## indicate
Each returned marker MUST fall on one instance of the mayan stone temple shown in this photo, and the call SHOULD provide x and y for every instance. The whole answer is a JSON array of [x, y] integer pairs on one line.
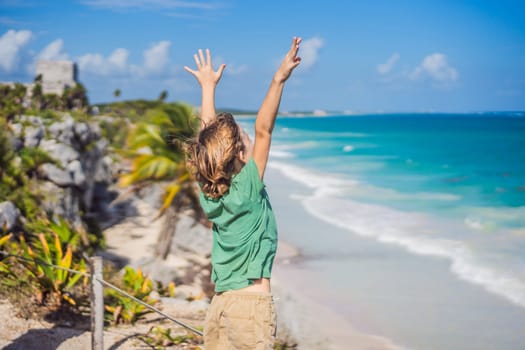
[[56, 75]]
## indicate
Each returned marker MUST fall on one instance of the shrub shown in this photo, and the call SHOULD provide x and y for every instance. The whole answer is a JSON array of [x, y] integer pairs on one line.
[[51, 282], [124, 309]]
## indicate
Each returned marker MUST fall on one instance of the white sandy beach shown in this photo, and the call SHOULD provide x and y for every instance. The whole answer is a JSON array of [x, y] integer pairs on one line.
[[304, 315]]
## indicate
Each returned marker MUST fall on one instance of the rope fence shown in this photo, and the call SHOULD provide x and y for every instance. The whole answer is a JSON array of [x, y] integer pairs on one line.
[[97, 284]]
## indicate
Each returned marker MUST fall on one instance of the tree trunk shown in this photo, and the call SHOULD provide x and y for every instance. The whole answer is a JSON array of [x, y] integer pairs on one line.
[[167, 231]]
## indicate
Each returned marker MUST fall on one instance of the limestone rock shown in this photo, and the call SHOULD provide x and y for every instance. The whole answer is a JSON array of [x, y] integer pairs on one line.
[[33, 119], [17, 129], [103, 172], [94, 128], [61, 201], [16, 143], [77, 174], [33, 135], [102, 145], [153, 195], [58, 176], [64, 131], [82, 132], [165, 271], [61, 152], [191, 236], [9, 215]]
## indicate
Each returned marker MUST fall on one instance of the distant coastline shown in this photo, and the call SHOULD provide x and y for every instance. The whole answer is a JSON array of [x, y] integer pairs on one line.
[[327, 113]]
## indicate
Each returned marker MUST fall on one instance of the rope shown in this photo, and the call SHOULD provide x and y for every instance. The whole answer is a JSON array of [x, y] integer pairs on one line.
[[107, 284], [149, 307]]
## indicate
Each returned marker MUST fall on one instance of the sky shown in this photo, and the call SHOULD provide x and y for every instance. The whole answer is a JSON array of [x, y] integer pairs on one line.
[[357, 56]]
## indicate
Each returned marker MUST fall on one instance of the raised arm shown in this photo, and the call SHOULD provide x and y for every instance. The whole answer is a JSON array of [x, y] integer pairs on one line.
[[208, 80], [268, 112]]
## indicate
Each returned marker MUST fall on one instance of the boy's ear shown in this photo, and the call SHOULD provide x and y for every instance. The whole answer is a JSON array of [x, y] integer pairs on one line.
[[242, 156]]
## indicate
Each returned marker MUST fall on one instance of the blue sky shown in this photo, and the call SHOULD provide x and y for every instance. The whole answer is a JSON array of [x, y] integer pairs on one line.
[[361, 56]]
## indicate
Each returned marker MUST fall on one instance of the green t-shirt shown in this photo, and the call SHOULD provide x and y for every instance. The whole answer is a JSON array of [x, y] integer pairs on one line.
[[244, 231]]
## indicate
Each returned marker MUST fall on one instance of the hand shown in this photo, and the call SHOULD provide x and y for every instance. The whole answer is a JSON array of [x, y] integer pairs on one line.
[[290, 61], [205, 74]]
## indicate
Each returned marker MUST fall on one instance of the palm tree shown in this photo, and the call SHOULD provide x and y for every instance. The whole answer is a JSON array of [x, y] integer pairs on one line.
[[163, 95], [155, 147]]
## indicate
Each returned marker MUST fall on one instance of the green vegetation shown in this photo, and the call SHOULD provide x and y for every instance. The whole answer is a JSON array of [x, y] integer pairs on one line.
[[121, 308], [163, 95], [16, 174], [168, 291], [51, 282], [134, 110], [285, 345], [115, 131], [160, 338], [236, 112], [11, 99], [4, 267], [28, 260], [116, 93], [151, 135], [38, 240]]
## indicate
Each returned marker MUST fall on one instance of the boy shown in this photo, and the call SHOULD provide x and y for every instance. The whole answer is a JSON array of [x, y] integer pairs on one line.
[[230, 174]]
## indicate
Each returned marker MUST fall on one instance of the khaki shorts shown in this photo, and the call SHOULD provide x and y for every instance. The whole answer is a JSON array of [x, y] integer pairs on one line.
[[240, 320]]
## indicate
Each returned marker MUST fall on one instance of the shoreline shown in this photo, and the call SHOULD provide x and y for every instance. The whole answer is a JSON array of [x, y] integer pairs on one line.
[[315, 326], [378, 288], [311, 323]]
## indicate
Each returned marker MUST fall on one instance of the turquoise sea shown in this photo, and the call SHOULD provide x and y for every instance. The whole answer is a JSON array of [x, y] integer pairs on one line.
[[447, 186]]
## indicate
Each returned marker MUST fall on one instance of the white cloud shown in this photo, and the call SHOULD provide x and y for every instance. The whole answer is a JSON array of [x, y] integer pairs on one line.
[[11, 44], [156, 61], [114, 64], [53, 52], [309, 51], [93, 63], [119, 59], [156, 58], [384, 68], [437, 68]]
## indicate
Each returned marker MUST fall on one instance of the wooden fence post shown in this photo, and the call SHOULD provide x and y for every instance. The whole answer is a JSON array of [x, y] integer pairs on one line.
[[97, 304]]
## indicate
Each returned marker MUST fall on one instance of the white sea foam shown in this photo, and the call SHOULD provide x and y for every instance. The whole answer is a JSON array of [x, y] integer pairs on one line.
[[474, 223], [347, 134], [491, 218], [348, 148], [310, 179], [385, 194], [416, 232], [280, 154], [502, 214]]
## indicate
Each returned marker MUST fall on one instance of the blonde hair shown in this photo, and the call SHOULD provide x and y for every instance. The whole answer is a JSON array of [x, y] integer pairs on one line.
[[213, 156]]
